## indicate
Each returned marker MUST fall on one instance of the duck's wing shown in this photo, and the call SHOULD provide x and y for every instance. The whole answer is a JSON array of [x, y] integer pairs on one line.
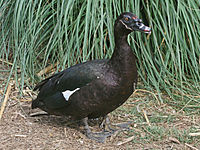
[[56, 89]]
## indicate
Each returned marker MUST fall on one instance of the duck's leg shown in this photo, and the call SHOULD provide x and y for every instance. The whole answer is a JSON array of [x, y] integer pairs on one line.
[[98, 136], [106, 125]]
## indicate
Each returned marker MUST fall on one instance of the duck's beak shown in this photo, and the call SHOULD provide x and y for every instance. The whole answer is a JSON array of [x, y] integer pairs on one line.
[[139, 26], [144, 28]]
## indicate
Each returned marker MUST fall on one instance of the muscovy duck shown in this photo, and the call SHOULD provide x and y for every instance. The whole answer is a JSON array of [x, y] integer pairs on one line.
[[95, 88]]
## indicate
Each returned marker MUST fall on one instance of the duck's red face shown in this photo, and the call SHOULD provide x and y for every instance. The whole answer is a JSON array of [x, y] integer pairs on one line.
[[132, 23]]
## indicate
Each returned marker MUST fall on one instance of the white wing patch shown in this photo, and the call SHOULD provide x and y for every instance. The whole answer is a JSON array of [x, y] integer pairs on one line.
[[68, 93]]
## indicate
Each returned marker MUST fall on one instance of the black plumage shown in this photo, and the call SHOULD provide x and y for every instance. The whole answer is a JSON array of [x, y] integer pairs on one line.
[[94, 88]]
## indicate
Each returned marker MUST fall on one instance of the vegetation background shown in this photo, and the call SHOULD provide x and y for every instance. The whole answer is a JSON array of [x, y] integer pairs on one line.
[[36, 34]]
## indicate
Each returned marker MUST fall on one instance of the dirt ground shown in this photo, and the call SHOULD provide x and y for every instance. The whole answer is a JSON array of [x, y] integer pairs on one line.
[[154, 127]]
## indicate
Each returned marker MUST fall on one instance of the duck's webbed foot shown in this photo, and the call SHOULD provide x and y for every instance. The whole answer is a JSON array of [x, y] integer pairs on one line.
[[108, 129], [97, 136]]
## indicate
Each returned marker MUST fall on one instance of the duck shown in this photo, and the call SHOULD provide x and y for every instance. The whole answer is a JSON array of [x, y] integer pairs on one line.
[[95, 88]]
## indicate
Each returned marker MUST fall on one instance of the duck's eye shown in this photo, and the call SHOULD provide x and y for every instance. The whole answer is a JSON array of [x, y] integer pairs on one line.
[[126, 19]]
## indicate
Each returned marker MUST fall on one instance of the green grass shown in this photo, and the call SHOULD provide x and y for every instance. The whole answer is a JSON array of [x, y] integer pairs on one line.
[[159, 133], [35, 34], [165, 122]]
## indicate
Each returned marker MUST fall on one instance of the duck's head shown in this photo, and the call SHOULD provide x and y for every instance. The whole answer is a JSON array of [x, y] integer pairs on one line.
[[128, 22]]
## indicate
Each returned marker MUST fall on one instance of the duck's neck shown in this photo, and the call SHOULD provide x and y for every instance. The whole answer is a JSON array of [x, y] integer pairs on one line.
[[123, 60], [122, 54]]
